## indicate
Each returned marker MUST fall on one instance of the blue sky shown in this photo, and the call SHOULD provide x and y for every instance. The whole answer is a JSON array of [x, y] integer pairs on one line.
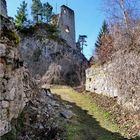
[[88, 17]]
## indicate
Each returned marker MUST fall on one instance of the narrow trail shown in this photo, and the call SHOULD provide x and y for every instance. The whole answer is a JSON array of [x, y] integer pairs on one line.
[[89, 123]]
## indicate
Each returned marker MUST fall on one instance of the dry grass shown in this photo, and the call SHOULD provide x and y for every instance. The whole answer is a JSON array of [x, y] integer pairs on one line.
[[95, 121]]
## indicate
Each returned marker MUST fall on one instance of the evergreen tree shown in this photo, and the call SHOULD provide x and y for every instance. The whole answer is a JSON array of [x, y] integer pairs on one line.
[[103, 32], [21, 17], [82, 41], [36, 11], [47, 11]]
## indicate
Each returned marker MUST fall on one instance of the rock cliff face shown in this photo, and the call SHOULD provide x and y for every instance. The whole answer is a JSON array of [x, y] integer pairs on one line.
[[16, 85], [54, 61]]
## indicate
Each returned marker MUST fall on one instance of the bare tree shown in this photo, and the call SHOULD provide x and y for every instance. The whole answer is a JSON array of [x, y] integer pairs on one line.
[[82, 41], [124, 18], [123, 12]]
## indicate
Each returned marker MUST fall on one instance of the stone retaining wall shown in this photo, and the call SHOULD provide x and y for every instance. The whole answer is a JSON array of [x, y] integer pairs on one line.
[[118, 78], [97, 80]]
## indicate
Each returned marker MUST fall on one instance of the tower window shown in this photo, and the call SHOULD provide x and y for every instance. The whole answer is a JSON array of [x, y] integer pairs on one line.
[[67, 29], [64, 11]]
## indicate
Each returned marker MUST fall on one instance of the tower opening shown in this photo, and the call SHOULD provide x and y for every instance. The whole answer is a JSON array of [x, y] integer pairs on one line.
[[67, 29]]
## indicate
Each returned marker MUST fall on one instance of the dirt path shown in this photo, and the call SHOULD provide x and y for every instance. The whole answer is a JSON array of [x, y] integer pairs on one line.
[[89, 123]]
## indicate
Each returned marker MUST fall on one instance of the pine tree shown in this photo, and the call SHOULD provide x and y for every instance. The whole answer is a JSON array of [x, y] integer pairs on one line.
[[47, 11], [103, 32], [104, 45], [36, 11], [21, 17]]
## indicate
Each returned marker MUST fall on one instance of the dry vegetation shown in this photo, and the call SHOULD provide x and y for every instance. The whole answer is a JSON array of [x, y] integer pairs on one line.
[[121, 49]]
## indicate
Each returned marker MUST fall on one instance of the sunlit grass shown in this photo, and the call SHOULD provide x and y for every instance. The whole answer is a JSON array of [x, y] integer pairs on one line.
[[85, 102]]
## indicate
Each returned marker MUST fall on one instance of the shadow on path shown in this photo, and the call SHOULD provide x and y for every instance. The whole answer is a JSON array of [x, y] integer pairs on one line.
[[85, 127]]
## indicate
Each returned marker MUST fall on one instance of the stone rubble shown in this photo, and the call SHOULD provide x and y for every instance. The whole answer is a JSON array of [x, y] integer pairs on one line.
[[43, 118], [67, 114]]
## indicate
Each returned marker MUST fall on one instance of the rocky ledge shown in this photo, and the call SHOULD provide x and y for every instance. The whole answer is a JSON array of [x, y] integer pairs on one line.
[[43, 118], [16, 85]]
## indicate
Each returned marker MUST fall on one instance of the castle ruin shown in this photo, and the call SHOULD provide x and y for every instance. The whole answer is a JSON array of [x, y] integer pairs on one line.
[[3, 8], [66, 25]]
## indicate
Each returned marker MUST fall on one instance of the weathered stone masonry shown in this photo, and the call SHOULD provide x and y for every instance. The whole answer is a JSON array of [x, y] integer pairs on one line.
[[3, 8], [16, 85], [65, 21], [98, 81], [118, 78], [67, 25]]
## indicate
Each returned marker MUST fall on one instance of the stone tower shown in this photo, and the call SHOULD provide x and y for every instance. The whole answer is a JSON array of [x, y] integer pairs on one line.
[[3, 8], [66, 23]]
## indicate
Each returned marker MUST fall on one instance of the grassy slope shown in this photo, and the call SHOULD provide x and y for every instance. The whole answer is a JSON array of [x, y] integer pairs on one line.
[[91, 122]]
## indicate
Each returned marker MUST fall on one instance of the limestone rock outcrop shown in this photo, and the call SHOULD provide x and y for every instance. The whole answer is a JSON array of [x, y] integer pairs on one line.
[[52, 60], [16, 85]]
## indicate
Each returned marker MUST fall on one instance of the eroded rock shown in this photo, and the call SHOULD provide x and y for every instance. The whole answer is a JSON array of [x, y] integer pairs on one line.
[[16, 85]]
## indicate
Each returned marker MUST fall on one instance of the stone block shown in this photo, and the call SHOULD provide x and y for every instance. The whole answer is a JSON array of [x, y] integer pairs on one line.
[[4, 127], [11, 54], [11, 95], [2, 50], [5, 104], [1, 70], [67, 114], [3, 114]]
